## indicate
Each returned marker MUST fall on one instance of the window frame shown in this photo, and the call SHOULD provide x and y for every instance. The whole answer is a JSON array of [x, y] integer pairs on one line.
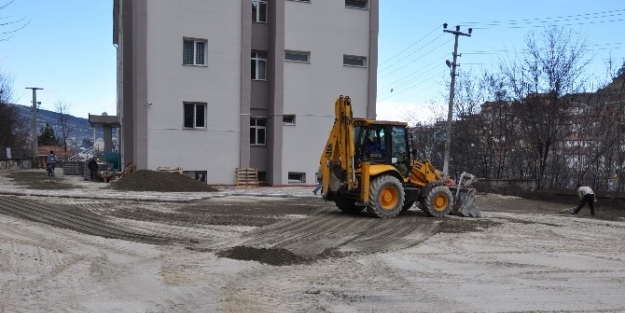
[[195, 42], [300, 180], [257, 11], [354, 57], [257, 128], [257, 60], [194, 123], [353, 4], [286, 116], [297, 52]]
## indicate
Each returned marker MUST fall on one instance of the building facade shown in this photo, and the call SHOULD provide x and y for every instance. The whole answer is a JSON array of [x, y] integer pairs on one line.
[[213, 85]]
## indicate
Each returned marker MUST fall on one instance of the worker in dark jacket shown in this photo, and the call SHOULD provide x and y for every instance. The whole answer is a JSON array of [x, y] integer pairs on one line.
[[586, 195], [93, 169]]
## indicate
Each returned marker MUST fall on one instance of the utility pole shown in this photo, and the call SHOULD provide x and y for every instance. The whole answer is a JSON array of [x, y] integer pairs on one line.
[[450, 113], [34, 123]]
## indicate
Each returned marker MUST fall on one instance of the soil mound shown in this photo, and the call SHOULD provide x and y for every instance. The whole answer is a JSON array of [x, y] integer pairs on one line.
[[276, 257], [144, 180]]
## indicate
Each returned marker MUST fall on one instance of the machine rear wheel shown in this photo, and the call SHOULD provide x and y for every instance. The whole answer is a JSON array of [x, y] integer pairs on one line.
[[386, 197], [348, 205], [438, 202]]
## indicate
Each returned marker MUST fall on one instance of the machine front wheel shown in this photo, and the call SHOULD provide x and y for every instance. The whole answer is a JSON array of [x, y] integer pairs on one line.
[[438, 202]]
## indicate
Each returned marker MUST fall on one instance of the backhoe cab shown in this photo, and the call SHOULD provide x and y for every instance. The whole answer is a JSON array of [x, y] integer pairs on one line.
[[367, 164]]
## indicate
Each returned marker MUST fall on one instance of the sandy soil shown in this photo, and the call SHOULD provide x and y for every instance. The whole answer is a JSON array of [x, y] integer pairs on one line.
[[263, 254]]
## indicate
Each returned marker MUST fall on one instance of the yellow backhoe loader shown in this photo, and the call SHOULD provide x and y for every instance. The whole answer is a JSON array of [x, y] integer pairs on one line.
[[367, 164]]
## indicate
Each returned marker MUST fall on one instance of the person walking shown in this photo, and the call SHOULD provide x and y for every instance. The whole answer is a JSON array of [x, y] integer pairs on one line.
[[319, 181], [93, 169], [586, 195], [51, 163]]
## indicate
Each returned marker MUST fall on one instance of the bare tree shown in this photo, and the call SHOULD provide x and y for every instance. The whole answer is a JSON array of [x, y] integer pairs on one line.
[[13, 130], [552, 67], [64, 123], [467, 149], [8, 25]]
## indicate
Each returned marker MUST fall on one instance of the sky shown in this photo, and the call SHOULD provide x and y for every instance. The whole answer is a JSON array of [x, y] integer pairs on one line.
[[66, 47]]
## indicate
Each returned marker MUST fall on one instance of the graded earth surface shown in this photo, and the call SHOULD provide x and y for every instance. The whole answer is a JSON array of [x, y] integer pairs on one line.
[[68, 245]]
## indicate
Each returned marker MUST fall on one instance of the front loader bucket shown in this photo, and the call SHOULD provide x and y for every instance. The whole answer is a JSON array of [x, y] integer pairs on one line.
[[464, 203]]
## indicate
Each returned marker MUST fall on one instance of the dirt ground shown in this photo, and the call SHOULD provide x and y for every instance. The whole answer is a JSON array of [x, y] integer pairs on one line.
[[300, 254]]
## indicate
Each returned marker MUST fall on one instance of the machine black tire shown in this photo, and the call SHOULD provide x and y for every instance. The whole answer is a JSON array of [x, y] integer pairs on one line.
[[407, 205], [348, 205], [386, 197], [438, 202]]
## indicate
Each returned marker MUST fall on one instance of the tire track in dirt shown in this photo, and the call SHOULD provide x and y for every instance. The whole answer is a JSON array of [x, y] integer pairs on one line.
[[330, 230], [80, 222], [179, 231], [325, 230]]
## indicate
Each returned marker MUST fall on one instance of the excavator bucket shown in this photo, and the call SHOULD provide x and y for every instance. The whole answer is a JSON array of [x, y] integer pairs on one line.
[[464, 197], [464, 203]]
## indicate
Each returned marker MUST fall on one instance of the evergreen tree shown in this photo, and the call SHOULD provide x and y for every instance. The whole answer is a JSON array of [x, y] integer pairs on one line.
[[47, 137]]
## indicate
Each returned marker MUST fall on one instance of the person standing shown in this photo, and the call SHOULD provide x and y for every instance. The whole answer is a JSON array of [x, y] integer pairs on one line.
[[586, 195], [319, 181], [93, 169], [51, 163]]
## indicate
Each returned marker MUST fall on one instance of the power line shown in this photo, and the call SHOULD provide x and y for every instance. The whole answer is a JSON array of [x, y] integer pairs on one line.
[[411, 54], [424, 70], [387, 74], [541, 19], [394, 94], [412, 45]]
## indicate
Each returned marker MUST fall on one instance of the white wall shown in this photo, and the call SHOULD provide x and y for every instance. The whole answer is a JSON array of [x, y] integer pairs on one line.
[[328, 30], [215, 149]]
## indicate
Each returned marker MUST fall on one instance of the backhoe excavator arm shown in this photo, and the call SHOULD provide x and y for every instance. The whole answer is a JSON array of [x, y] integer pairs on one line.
[[337, 159]]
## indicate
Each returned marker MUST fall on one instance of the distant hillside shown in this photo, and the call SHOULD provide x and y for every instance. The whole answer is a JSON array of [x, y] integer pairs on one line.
[[81, 129]]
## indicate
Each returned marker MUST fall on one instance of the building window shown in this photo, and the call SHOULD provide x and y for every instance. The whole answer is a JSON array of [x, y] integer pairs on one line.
[[297, 56], [356, 4], [262, 176], [296, 178], [194, 52], [194, 115], [197, 175], [259, 11], [258, 131], [354, 60], [259, 65], [288, 119]]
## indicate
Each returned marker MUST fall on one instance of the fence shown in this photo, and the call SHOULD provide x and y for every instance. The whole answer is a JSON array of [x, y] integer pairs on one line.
[[9, 153], [527, 188], [14, 165], [513, 187]]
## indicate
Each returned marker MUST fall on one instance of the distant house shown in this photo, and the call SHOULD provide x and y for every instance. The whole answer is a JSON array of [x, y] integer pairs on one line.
[[58, 151]]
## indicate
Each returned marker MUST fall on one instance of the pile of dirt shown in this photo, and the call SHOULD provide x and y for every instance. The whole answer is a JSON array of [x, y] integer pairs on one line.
[[144, 180], [276, 257]]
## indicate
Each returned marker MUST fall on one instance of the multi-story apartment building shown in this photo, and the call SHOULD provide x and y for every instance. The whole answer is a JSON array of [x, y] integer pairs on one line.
[[215, 85]]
